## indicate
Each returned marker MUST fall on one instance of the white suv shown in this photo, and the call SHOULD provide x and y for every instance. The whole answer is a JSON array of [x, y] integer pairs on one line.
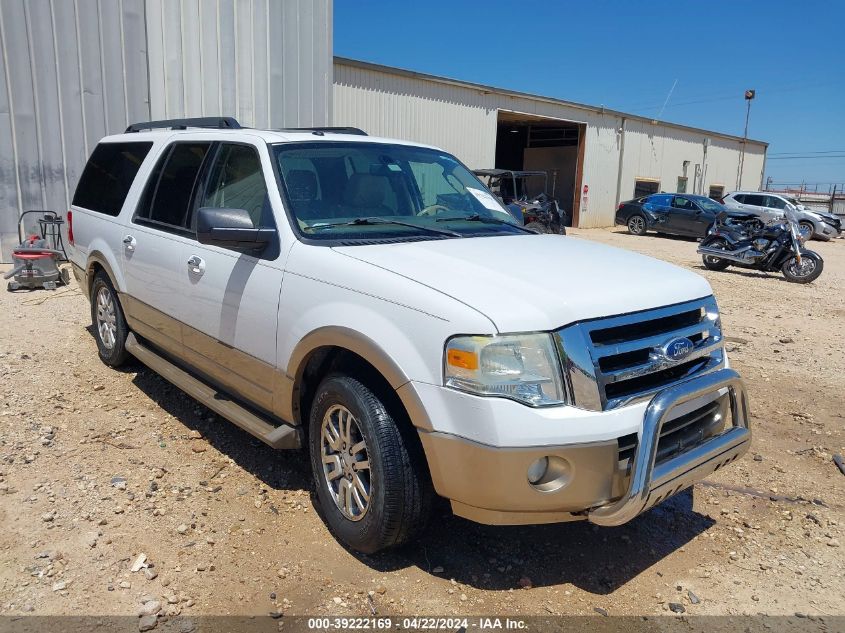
[[368, 299], [770, 208]]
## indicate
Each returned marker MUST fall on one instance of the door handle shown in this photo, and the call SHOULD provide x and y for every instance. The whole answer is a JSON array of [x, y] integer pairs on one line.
[[129, 242], [196, 264]]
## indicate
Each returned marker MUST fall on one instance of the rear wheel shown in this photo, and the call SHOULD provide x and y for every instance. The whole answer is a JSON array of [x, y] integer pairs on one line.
[[716, 263], [807, 270], [372, 484], [637, 225], [110, 328]]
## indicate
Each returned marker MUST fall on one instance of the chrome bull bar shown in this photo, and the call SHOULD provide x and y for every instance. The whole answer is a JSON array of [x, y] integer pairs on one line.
[[650, 484]]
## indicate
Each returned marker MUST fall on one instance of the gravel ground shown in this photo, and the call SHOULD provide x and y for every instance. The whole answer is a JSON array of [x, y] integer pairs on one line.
[[121, 495]]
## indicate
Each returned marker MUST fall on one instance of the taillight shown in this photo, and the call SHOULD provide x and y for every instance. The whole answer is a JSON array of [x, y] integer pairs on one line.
[[70, 227], [621, 204]]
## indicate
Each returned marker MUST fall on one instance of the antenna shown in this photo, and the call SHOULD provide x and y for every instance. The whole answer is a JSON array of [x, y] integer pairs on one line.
[[671, 90]]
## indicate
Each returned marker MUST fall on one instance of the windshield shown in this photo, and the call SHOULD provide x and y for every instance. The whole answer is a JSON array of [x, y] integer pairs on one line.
[[710, 205], [359, 190]]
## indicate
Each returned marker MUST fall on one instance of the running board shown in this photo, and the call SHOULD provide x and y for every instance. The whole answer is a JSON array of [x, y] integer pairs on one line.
[[285, 436]]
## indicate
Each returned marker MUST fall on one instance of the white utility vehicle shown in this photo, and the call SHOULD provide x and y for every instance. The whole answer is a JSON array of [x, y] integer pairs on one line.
[[370, 300]]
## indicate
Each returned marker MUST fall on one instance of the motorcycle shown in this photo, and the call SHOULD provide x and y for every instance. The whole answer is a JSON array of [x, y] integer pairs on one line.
[[734, 241]]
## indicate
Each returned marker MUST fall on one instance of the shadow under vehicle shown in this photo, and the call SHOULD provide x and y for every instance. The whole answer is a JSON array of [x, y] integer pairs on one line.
[[526, 196]]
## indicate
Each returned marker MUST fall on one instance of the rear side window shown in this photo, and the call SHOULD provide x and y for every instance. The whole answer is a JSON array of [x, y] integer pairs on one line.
[[166, 201], [109, 174], [755, 200]]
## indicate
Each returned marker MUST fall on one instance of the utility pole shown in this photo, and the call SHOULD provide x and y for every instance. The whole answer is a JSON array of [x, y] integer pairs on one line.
[[749, 95]]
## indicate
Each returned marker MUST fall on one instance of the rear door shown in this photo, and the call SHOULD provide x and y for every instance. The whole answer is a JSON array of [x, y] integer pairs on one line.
[[156, 276], [230, 330]]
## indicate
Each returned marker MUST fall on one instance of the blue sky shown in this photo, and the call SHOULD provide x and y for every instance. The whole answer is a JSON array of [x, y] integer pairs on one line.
[[627, 56]]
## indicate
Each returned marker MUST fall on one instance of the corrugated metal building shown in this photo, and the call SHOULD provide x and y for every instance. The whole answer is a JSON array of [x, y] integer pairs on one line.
[[599, 157], [76, 70]]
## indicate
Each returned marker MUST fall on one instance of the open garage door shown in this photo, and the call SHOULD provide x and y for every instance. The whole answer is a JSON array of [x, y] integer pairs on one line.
[[534, 143]]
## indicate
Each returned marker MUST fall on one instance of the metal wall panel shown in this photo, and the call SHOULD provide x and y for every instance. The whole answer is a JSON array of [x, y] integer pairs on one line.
[[461, 118], [268, 63], [74, 71]]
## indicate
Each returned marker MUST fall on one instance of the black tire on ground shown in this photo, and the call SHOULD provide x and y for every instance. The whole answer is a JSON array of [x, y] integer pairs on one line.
[[112, 353], [715, 263], [637, 224], [64, 276], [537, 227], [802, 274], [398, 489]]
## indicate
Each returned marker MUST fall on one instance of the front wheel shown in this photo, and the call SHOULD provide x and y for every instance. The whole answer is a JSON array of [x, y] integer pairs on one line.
[[806, 230], [716, 263], [372, 482], [808, 270]]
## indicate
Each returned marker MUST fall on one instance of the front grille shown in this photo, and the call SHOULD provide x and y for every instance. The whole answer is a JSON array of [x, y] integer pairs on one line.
[[614, 361], [680, 434]]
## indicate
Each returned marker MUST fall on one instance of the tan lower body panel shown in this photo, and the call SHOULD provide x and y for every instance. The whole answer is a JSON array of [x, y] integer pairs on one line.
[[255, 381], [490, 485]]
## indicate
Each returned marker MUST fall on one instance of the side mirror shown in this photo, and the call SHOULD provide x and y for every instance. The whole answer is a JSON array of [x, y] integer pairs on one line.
[[231, 228]]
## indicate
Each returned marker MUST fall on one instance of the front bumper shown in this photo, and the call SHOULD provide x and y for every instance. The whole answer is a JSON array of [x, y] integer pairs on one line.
[[826, 231], [490, 485]]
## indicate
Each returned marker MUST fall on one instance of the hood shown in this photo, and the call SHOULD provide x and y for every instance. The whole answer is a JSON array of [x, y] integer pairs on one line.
[[537, 282]]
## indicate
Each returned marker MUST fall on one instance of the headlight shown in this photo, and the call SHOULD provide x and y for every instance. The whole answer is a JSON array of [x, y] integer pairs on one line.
[[522, 367]]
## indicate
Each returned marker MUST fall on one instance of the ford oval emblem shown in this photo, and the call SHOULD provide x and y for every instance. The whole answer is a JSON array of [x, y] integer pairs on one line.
[[677, 349]]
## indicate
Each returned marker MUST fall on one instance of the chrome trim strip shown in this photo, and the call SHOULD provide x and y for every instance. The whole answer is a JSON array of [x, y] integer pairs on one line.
[[708, 346], [632, 345], [650, 484], [580, 358]]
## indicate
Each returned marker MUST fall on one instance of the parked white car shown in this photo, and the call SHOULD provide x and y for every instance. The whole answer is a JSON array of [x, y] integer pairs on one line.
[[368, 299], [770, 208]]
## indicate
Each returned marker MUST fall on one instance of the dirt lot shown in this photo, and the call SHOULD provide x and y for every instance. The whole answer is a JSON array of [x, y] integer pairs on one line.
[[99, 466]]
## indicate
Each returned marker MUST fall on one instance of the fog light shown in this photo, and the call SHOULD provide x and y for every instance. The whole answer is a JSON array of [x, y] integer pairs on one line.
[[537, 470], [549, 473]]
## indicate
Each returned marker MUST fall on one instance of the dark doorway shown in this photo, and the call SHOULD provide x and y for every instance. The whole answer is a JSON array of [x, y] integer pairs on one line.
[[526, 142]]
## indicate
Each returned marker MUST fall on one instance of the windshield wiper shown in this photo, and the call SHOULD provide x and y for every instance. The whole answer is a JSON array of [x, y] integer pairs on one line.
[[376, 221], [476, 217]]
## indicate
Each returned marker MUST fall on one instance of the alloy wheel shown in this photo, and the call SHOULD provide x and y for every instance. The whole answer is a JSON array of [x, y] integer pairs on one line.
[[106, 318], [346, 462], [636, 224]]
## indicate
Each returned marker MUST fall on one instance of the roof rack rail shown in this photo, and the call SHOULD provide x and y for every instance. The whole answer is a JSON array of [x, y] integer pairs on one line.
[[320, 131], [217, 122]]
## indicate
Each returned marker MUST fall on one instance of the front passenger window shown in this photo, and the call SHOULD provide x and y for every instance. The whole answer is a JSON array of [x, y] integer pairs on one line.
[[775, 203], [237, 182]]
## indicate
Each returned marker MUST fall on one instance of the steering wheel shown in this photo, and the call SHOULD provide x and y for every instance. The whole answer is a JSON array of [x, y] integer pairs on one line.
[[433, 209]]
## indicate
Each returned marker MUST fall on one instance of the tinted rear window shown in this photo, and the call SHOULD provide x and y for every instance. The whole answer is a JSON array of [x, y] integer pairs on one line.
[[109, 175]]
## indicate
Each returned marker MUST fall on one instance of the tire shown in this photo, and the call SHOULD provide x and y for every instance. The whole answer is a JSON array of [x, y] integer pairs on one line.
[[637, 224], [537, 227], [790, 269], [399, 492], [806, 229], [715, 263], [110, 330]]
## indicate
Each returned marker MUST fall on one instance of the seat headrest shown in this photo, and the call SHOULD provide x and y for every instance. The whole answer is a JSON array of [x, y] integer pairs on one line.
[[302, 185], [366, 190]]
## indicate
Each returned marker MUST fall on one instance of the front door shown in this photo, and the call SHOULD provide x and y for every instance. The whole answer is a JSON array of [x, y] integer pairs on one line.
[[683, 217], [230, 331]]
